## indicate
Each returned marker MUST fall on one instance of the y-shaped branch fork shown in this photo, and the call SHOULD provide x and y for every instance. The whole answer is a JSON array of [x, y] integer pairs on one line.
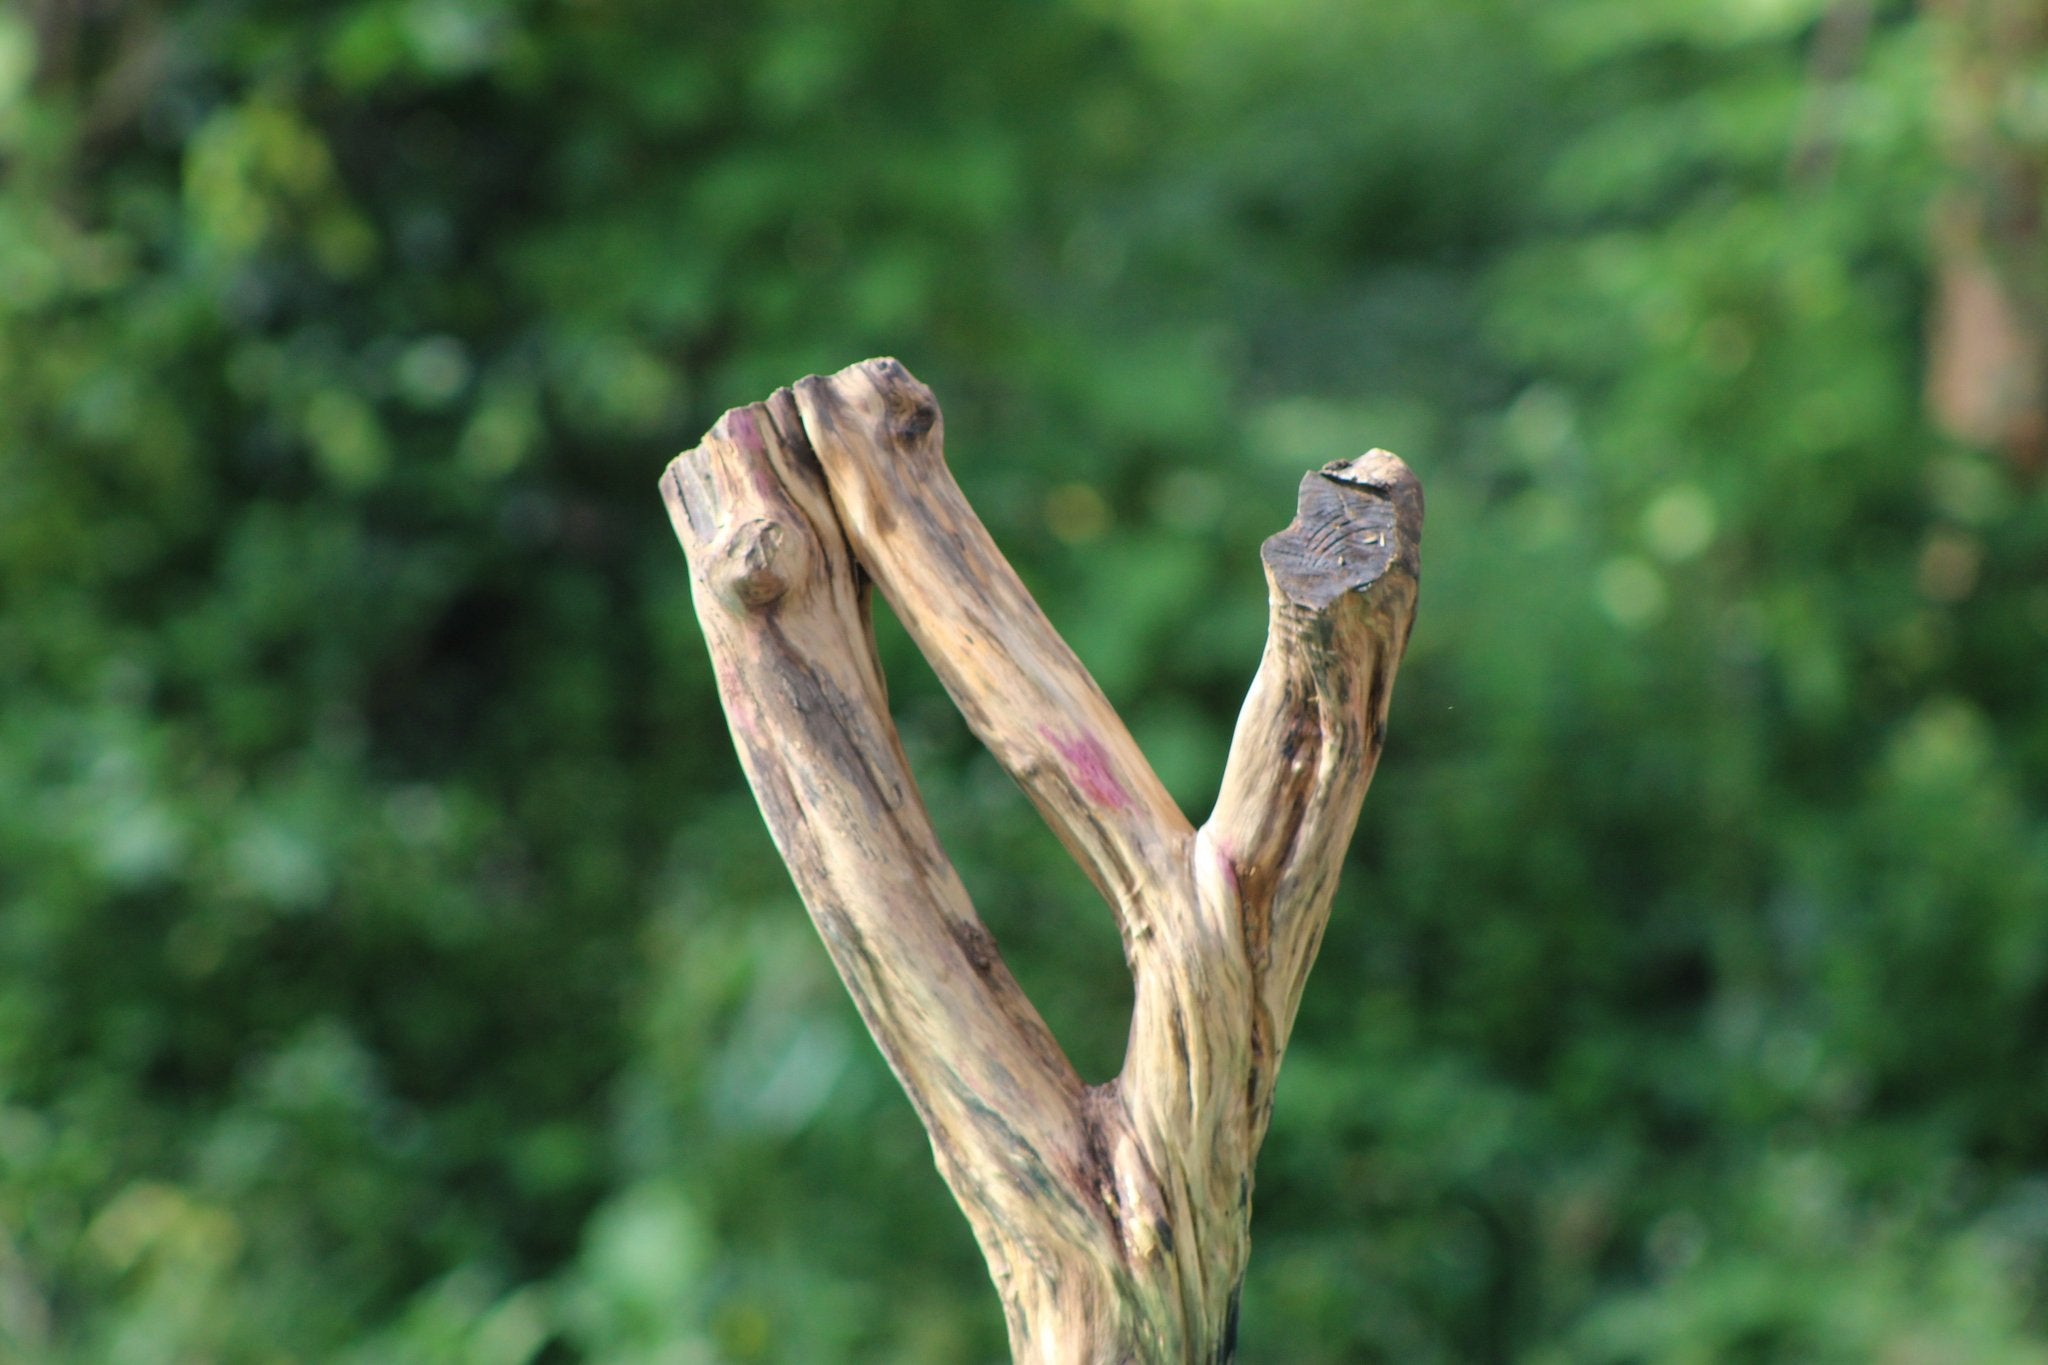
[[1114, 1218]]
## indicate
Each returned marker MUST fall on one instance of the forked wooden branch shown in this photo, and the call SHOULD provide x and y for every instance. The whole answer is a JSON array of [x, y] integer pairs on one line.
[[1114, 1218]]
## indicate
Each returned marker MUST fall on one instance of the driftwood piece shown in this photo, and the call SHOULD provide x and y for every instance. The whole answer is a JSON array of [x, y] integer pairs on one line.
[[1114, 1218]]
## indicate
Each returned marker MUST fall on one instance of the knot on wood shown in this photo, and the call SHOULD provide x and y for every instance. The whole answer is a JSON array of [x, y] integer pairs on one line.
[[910, 422], [909, 408], [756, 563]]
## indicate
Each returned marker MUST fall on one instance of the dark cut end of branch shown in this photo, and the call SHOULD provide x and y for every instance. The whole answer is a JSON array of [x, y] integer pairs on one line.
[[1358, 521]]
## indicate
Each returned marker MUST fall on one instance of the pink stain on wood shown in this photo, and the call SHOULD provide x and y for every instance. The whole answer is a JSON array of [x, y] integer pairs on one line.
[[1227, 865], [739, 701], [1088, 764], [745, 434], [744, 431]]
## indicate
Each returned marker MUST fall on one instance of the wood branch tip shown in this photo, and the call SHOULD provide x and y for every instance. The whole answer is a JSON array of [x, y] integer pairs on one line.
[[679, 466], [1358, 521], [725, 430], [675, 496], [742, 426], [1386, 476], [896, 409], [883, 367], [1377, 468], [671, 472]]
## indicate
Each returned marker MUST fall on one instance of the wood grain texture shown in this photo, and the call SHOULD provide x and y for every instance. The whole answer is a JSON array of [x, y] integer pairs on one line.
[[1114, 1218], [1025, 696]]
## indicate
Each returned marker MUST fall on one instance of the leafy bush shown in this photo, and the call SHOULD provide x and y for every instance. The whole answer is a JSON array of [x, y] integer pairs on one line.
[[395, 968]]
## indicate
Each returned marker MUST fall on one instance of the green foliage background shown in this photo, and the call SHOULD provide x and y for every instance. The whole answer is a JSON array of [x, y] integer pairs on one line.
[[393, 967]]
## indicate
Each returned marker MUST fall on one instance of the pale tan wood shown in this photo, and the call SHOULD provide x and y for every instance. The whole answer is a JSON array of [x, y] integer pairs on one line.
[[1114, 1218], [880, 436], [783, 610]]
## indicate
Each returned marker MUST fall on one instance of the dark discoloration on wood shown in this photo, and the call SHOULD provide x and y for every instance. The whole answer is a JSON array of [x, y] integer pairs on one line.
[[1376, 694], [1114, 1218], [1098, 1175], [977, 945]]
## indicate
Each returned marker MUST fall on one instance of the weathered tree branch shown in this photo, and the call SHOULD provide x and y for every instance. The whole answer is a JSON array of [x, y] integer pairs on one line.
[[1114, 1218], [1342, 581], [1023, 693], [785, 612]]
